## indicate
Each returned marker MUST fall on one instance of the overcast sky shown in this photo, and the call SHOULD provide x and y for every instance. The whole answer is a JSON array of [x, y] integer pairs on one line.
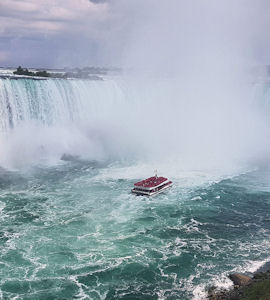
[[59, 33], [51, 33]]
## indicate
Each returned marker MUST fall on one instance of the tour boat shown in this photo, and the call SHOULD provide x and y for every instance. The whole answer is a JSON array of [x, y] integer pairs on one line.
[[151, 186]]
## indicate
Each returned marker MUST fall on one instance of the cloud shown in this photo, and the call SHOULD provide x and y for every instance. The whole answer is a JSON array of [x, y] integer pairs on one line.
[[40, 27], [3, 56], [111, 31], [31, 17], [69, 32]]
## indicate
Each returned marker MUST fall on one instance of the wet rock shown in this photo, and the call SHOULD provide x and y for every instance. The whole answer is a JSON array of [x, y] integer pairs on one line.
[[245, 287], [218, 294], [240, 279]]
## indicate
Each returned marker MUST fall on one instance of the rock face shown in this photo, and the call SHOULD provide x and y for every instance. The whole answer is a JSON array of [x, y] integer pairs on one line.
[[245, 287], [240, 279]]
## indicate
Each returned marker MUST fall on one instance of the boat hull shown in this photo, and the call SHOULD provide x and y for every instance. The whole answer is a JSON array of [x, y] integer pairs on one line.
[[152, 192]]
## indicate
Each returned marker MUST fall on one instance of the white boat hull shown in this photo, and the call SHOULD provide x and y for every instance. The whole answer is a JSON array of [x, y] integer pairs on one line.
[[150, 192]]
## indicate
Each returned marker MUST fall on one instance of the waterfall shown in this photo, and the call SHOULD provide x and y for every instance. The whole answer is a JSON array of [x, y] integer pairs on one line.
[[42, 120], [55, 101], [125, 119]]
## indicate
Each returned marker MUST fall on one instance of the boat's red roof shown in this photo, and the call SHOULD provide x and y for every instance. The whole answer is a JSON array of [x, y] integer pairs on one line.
[[151, 182]]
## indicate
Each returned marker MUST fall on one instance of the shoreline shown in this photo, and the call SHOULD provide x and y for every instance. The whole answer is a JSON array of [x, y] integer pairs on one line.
[[7, 76], [245, 287], [17, 77]]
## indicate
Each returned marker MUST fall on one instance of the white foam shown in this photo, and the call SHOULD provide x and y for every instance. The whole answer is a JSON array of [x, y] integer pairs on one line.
[[196, 198], [181, 177], [252, 266], [223, 282], [2, 206], [81, 294], [199, 292]]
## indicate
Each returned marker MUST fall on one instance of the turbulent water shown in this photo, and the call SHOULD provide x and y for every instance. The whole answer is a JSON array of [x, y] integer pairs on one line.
[[71, 229]]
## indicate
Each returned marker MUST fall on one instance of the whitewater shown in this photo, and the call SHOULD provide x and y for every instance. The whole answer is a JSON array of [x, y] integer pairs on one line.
[[71, 150]]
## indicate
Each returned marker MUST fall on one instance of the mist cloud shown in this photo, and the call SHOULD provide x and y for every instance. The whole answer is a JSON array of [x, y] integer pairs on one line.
[[191, 63]]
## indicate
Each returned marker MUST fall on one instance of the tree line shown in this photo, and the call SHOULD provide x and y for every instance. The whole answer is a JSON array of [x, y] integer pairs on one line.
[[21, 71]]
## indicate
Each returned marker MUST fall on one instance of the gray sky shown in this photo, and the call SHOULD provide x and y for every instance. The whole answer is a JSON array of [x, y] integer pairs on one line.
[[53, 33], [58, 33]]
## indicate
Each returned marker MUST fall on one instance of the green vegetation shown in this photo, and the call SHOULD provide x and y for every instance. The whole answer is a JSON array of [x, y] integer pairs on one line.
[[92, 73], [258, 290], [21, 71], [42, 74]]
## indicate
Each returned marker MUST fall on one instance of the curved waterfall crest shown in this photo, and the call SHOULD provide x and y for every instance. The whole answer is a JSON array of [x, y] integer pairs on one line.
[[54, 101]]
